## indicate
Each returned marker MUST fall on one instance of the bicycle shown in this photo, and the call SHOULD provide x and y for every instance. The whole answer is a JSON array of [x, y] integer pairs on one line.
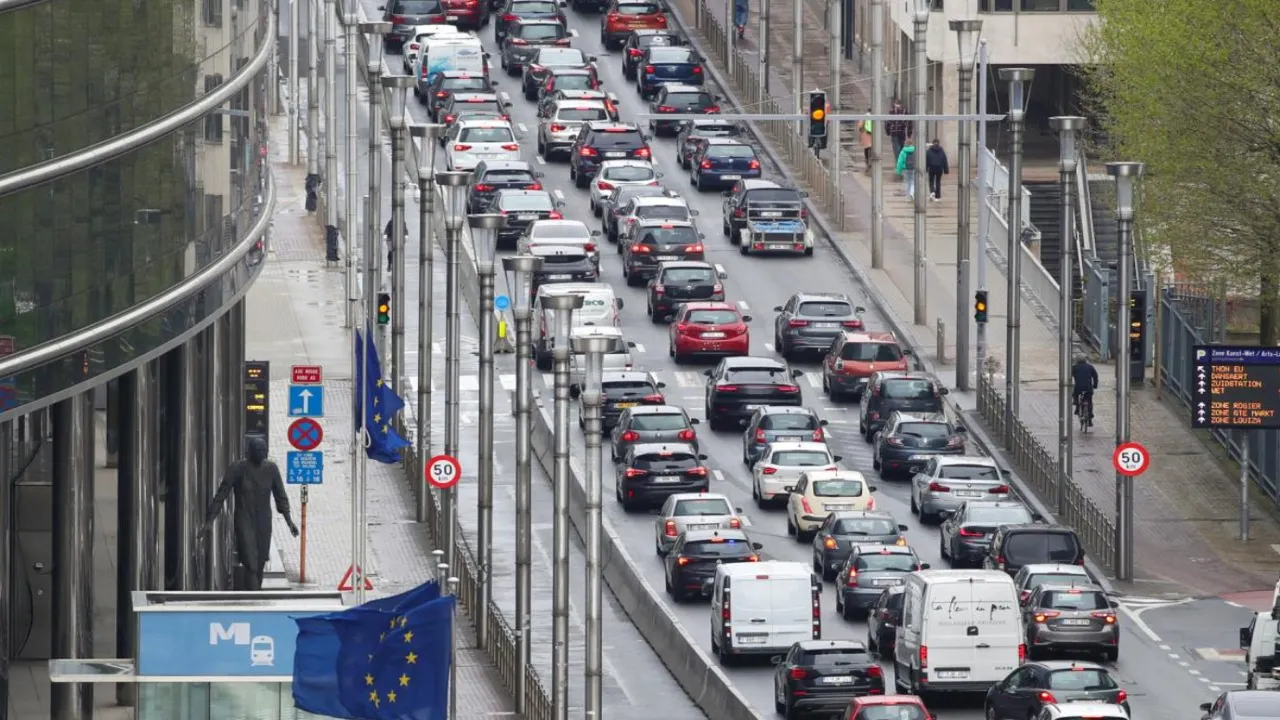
[[1084, 408]]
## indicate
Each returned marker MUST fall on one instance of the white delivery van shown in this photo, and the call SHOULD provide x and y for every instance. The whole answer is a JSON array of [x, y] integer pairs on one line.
[[961, 631], [763, 608], [463, 53], [1259, 640], [599, 308]]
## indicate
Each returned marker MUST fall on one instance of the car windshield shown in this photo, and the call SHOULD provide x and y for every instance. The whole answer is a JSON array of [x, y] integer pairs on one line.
[[731, 151], [789, 421], [926, 430], [541, 31], [870, 352], [581, 114], [800, 458], [622, 388], [1081, 678], [701, 506], [711, 317], [561, 57], [616, 139], [907, 389], [497, 134], [1032, 547], [757, 375], [418, 7], [534, 8], [669, 235], [773, 195], [644, 41], [664, 211], [466, 83], [837, 488], [894, 711], [663, 462], [724, 547], [830, 658], [480, 105], [900, 562], [997, 515], [825, 308], [638, 9], [865, 526], [531, 201], [688, 276], [968, 472], [574, 81], [658, 423], [1074, 600], [1038, 579], [628, 173], [508, 177], [669, 54]]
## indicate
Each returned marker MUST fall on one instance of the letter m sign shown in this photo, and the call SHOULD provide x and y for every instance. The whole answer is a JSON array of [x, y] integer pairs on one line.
[[237, 633]]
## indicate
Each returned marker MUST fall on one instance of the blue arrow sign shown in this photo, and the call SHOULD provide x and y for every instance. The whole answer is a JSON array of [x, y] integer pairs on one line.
[[305, 468], [306, 401], [502, 302]]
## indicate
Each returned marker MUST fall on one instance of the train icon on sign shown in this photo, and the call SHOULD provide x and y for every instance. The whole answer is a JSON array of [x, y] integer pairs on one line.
[[262, 648]]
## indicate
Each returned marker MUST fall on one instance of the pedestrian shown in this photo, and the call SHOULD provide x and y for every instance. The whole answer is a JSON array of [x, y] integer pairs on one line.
[[907, 167], [741, 11], [935, 164], [898, 129], [865, 134], [255, 480], [391, 247]]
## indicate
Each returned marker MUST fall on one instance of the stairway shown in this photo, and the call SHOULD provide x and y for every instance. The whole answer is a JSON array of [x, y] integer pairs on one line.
[[1046, 215], [1106, 234]]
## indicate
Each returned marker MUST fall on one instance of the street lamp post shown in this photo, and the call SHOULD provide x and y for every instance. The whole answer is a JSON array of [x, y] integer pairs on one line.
[[330, 115], [397, 87], [372, 273], [1018, 78], [1067, 128], [426, 135], [373, 215], [877, 137], [1125, 173], [919, 75], [522, 268], [967, 34], [453, 186]]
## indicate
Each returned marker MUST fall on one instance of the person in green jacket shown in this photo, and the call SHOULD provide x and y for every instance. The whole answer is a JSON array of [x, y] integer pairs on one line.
[[907, 167]]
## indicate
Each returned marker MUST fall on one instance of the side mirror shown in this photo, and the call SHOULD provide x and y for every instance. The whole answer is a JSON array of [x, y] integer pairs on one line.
[[668, 318], [702, 457], [382, 7], [837, 458], [944, 391], [1206, 706], [707, 373], [1113, 604], [632, 346], [902, 528], [595, 233], [661, 385], [775, 660], [924, 566], [695, 213], [493, 83], [1037, 517], [696, 421], [590, 58], [823, 423], [789, 488], [620, 302], [962, 430], [907, 352], [872, 488], [858, 310], [797, 373], [726, 193], [1246, 638], [507, 104], [559, 204], [708, 588], [574, 391], [573, 33], [745, 318], [662, 175], [485, 55], [777, 308], [757, 546], [945, 514], [539, 175]]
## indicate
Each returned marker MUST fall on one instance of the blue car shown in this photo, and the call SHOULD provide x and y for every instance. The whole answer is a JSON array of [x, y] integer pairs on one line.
[[721, 162], [679, 100], [663, 64]]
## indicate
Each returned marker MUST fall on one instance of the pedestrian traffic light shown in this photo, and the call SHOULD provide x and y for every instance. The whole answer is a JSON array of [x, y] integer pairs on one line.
[[384, 308], [980, 306], [817, 114]]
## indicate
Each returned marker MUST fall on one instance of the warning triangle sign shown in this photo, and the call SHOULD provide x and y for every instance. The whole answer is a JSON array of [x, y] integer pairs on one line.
[[344, 585]]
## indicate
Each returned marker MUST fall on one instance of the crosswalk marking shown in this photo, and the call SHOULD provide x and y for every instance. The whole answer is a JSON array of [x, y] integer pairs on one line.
[[686, 379], [469, 383], [814, 379], [508, 381]]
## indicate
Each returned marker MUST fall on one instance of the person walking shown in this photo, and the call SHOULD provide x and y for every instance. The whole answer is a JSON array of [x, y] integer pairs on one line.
[[907, 167], [935, 164], [865, 134], [897, 129], [255, 480], [741, 12]]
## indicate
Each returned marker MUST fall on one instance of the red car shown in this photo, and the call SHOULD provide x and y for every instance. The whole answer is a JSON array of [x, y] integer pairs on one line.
[[886, 707], [708, 328]]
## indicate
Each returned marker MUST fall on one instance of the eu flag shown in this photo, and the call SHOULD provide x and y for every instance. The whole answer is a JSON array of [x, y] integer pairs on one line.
[[380, 404], [385, 660]]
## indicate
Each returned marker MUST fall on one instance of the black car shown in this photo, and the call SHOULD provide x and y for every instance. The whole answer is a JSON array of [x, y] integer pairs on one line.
[[538, 67], [600, 141], [693, 558], [966, 534], [869, 569], [522, 208], [652, 424], [682, 281], [436, 91], [665, 66], [1036, 684], [640, 40], [884, 619], [841, 531], [649, 473], [490, 176], [563, 263], [1013, 546], [808, 322], [737, 385], [888, 392], [691, 132], [613, 208], [515, 10], [655, 242], [779, 423], [472, 103], [820, 677], [909, 439], [625, 390], [757, 199], [673, 99], [405, 16], [524, 36]]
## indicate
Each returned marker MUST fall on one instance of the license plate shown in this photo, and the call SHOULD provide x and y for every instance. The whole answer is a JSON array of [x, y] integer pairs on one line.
[[704, 526], [919, 457], [888, 581], [779, 246], [528, 216], [968, 494], [667, 258], [667, 479], [627, 405], [826, 325], [730, 177], [615, 154], [713, 335], [559, 277], [752, 639], [770, 214], [834, 508], [837, 680], [752, 407], [952, 674], [1075, 622]]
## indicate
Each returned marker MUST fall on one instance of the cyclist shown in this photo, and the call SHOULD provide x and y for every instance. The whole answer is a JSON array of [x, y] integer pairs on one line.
[[1084, 380]]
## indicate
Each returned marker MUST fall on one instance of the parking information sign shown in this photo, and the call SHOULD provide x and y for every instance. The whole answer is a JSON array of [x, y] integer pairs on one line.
[[1235, 386], [305, 468]]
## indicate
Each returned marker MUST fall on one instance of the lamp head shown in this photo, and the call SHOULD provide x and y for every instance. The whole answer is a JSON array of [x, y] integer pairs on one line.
[[561, 301], [967, 33], [397, 86], [453, 186], [1067, 127], [593, 344], [921, 10], [1018, 79], [484, 237], [426, 131], [1125, 173], [521, 269], [377, 29]]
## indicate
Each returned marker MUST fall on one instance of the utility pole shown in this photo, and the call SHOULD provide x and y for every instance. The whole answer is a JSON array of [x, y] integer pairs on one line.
[[877, 134], [1067, 128], [1018, 78], [1126, 175], [967, 33], [919, 91]]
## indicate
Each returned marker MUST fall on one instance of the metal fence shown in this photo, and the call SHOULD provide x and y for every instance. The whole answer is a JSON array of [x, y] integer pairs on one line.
[[1039, 469], [1038, 286], [1095, 325]]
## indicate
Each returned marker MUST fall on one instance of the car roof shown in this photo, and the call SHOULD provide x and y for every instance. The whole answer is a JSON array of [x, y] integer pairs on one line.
[[880, 549], [504, 165], [561, 224], [568, 71], [580, 104], [626, 376], [723, 141], [841, 474], [753, 361], [658, 410], [653, 31], [578, 288], [1097, 710], [578, 94], [821, 296], [680, 87], [521, 192], [787, 410], [460, 74], [871, 336], [1054, 665], [809, 645], [686, 263], [790, 445], [888, 699], [967, 460], [996, 504], [1064, 568], [536, 20], [708, 305], [863, 514], [1036, 527], [664, 199], [904, 375], [655, 448], [1065, 587], [627, 162], [726, 533]]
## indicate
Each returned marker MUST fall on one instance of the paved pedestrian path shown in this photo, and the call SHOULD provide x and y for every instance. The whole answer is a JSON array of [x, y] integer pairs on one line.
[[1186, 503]]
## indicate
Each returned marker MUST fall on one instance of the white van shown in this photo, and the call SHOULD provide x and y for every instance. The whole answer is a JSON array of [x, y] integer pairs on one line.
[[460, 52], [599, 308], [961, 631], [763, 608]]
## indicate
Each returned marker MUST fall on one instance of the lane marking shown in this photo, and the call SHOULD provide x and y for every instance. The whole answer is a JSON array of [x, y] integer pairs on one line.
[[559, 194], [469, 383], [1136, 617], [508, 381], [638, 348], [1233, 604], [523, 130], [1276, 547], [742, 304], [1194, 672], [1175, 656], [1215, 688], [718, 475], [721, 271], [1165, 647], [541, 160], [1184, 663]]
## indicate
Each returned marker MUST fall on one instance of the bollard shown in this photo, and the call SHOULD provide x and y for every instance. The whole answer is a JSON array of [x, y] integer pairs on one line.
[[942, 342]]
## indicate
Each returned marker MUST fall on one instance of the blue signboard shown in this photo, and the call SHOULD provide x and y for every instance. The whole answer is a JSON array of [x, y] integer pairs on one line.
[[191, 644], [502, 302], [8, 394], [306, 401], [305, 468]]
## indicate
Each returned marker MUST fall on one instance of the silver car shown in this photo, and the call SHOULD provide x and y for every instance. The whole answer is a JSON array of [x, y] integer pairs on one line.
[[781, 465], [614, 175], [947, 481], [692, 511], [652, 208], [652, 424], [619, 359], [559, 127]]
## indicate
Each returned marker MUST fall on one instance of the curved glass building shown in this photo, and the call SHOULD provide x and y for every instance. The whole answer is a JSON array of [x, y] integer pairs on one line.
[[134, 200]]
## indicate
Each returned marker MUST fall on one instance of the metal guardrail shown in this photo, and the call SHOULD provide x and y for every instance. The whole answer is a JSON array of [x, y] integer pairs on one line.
[[1040, 470]]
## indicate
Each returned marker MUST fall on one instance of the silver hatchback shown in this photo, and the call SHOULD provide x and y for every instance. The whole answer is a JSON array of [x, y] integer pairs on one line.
[[692, 511], [560, 126], [948, 481]]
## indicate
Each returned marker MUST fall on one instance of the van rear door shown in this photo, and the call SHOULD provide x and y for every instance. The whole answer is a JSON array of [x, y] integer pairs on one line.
[[972, 632], [791, 619], [751, 610]]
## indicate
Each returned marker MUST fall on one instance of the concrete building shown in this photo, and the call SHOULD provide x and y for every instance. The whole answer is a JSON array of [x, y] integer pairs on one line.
[[134, 202]]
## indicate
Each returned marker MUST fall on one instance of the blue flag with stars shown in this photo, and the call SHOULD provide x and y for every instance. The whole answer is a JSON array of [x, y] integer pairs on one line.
[[379, 402], [385, 660]]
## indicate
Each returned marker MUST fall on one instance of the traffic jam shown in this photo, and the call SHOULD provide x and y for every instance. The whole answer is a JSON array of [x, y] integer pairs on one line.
[[885, 565]]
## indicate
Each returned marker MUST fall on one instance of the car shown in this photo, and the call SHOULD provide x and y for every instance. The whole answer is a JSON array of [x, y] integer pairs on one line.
[[888, 391], [854, 355], [738, 385], [539, 65], [610, 101], [652, 424], [721, 162], [433, 91], [638, 41], [1071, 618], [965, 534], [649, 473], [618, 359], [909, 440], [887, 707], [652, 244], [809, 321], [693, 512], [515, 10], [691, 132], [627, 389], [1081, 710], [775, 423], [406, 16], [468, 142], [522, 208], [600, 141], [617, 206], [616, 174], [780, 467], [479, 104], [524, 35], [559, 127], [1033, 685], [663, 66], [1014, 546], [883, 619], [666, 207], [560, 231], [491, 176], [842, 530], [867, 571], [819, 493], [1242, 705], [757, 199], [696, 554], [469, 14], [622, 17], [1030, 577], [704, 329], [568, 79], [413, 44], [821, 677]]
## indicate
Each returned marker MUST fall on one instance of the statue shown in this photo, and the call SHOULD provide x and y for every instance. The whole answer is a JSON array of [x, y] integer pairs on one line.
[[254, 480]]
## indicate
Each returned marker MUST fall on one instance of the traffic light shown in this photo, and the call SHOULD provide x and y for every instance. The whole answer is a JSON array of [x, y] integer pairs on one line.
[[980, 306], [384, 308], [817, 117]]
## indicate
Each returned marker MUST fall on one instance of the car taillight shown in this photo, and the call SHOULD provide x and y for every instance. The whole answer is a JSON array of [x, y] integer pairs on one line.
[[645, 250], [1046, 697], [830, 543], [697, 249], [924, 656], [549, 85], [698, 471], [588, 152], [938, 487], [854, 324], [853, 579], [754, 165], [562, 41], [1121, 696], [634, 52], [955, 441], [669, 528], [511, 146], [799, 673], [1000, 561], [727, 388], [398, 19], [875, 672], [518, 41], [797, 323], [687, 435], [449, 119], [705, 164], [613, 17], [966, 532], [770, 471], [655, 398], [1046, 615], [461, 148], [1107, 617], [649, 69], [697, 69], [482, 188], [1023, 596], [682, 561], [602, 185], [508, 18], [536, 68], [1022, 653], [633, 472], [442, 94], [760, 437], [894, 441], [739, 212], [804, 505], [643, 152], [535, 186], [1000, 490], [630, 436], [555, 215], [589, 247], [871, 503], [788, 388], [818, 435]]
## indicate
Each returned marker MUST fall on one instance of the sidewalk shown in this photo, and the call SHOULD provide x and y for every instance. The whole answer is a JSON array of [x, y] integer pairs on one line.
[[1186, 503], [295, 312]]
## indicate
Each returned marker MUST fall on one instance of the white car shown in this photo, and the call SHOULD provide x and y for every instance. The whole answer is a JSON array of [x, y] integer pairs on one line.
[[656, 208], [780, 466], [572, 233], [420, 34], [616, 174], [559, 126], [470, 141]]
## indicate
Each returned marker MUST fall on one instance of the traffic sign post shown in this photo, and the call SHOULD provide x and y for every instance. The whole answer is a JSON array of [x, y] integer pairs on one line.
[[1236, 386], [305, 463], [502, 302], [1130, 459], [306, 401], [305, 434], [443, 472]]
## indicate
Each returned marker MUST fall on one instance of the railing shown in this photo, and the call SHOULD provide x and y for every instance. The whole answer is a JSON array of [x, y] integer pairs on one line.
[[1084, 205], [1038, 286], [1040, 470]]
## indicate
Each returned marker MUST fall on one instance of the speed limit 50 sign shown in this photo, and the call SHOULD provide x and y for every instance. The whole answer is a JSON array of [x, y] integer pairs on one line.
[[1131, 459], [443, 471]]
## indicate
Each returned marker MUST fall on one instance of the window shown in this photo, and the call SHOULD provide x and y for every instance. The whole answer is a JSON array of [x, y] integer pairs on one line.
[[659, 463], [831, 658], [726, 151], [837, 488], [580, 114], [212, 211], [870, 352], [656, 423], [712, 317], [997, 515], [486, 135], [1082, 679], [625, 173], [541, 31], [886, 562], [800, 458], [674, 235], [719, 548], [789, 421], [1074, 600], [756, 376], [532, 201], [1035, 547], [924, 430], [826, 308], [662, 212], [976, 472], [689, 276], [211, 12], [702, 506], [1035, 5], [212, 121], [623, 388], [638, 9], [864, 527], [895, 711], [907, 389], [670, 54]]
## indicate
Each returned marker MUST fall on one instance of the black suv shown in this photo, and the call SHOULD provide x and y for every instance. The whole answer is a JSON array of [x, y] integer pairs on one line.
[[692, 131], [599, 141], [405, 16], [693, 558], [966, 534], [820, 677], [522, 208], [737, 384], [808, 322], [680, 282], [651, 472], [1016, 545], [639, 41], [884, 619], [897, 391], [490, 176], [763, 199], [656, 242]]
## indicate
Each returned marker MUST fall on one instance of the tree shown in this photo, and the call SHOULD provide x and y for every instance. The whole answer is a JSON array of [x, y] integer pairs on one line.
[[1192, 89]]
